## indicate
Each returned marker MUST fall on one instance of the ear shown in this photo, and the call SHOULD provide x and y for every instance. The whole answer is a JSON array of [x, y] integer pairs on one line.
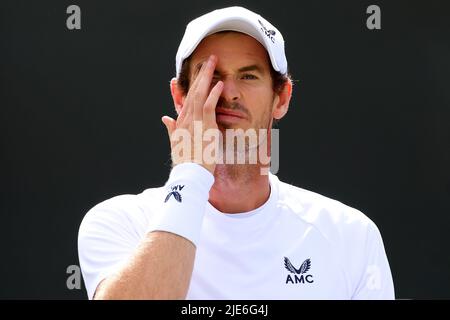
[[281, 101], [177, 95]]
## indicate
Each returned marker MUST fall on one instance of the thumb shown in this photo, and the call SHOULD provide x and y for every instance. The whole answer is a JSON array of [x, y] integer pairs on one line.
[[169, 123]]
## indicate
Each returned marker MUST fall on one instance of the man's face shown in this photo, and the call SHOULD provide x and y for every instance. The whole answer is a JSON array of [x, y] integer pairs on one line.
[[247, 98]]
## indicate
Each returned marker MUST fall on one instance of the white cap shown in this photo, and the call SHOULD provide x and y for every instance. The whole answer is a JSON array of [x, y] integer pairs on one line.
[[234, 19]]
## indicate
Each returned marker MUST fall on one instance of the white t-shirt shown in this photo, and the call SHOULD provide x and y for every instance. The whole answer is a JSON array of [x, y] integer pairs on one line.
[[298, 245]]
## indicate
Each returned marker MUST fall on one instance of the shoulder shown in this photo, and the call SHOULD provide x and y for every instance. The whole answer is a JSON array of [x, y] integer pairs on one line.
[[111, 231], [355, 240], [336, 221]]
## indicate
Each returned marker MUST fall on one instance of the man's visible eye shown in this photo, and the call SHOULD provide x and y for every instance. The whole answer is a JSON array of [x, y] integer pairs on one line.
[[249, 76]]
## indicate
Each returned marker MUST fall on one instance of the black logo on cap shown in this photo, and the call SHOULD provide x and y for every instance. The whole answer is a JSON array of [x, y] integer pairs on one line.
[[269, 33]]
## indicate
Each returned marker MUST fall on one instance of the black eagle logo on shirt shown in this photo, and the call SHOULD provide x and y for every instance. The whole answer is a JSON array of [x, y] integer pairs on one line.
[[306, 265]]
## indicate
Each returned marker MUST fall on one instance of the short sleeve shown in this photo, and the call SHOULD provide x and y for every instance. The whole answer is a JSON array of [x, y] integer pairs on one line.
[[376, 279], [109, 234]]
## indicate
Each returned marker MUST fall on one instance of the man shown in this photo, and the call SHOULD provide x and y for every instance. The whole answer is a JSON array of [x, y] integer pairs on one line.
[[221, 229]]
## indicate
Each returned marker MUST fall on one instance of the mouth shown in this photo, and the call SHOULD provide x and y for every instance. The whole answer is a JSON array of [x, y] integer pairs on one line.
[[228, 114]]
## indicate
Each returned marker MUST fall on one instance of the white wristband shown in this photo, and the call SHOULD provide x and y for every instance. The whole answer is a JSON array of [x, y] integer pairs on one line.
[[184, 201]]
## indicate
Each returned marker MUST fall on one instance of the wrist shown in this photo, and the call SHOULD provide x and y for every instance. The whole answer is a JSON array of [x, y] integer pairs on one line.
[[210, 167], [183, 201]]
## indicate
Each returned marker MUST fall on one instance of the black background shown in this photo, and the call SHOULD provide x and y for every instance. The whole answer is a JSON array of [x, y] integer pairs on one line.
[[80, 122]]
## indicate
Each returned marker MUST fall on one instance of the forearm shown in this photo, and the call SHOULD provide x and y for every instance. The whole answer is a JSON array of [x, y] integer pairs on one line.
[[161, 268]]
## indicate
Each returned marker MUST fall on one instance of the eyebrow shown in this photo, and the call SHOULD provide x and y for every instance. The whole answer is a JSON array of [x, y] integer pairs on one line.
[[253, 67]]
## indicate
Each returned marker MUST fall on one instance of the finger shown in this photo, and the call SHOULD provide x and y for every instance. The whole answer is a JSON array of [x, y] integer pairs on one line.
[[170, 125], [202, 87], [199, 74], [187, 108], [209, 109], [205, 77]]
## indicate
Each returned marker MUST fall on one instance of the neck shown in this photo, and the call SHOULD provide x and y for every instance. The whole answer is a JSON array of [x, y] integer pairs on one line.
[[239, 188]]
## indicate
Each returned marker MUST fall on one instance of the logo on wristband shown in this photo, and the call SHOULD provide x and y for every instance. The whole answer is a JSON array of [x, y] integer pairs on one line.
[[175, 193]]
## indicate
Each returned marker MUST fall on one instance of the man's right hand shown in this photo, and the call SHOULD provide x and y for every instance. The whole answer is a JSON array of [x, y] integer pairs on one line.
[[199, 106]]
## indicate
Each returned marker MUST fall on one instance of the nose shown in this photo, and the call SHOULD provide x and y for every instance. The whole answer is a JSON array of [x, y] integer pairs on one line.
[[230, 90]]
